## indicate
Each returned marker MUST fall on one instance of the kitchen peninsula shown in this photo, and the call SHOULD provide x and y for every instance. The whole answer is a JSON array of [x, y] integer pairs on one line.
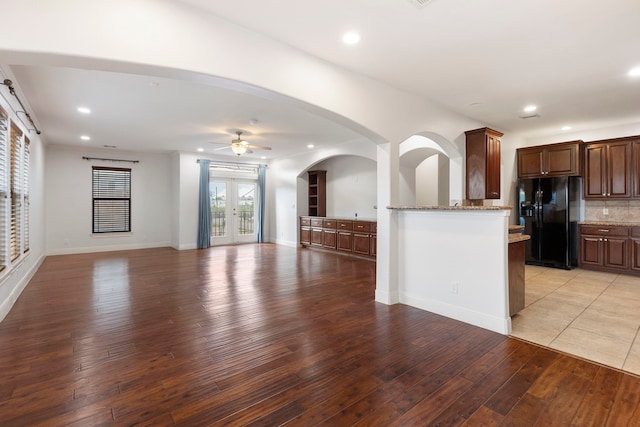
[[453, 260]]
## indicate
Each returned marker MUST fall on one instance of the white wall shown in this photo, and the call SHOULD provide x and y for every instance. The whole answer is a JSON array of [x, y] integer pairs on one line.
[[407, 192], [427, 183], [17, 274], [68, 200], [454, 263], [351, 186]]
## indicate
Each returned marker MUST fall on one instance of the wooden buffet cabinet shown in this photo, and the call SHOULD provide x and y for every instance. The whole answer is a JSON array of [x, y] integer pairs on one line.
[[356, 237]]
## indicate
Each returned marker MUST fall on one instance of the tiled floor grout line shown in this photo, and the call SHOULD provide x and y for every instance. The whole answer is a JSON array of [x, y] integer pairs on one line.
[[544, 279], [573, 320]]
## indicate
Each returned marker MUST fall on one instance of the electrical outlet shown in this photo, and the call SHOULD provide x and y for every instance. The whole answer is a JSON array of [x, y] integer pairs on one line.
[[454, 287], [605, 211]]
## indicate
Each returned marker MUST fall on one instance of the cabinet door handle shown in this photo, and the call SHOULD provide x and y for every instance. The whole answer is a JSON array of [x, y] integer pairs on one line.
[[603, 230], [605, 240]]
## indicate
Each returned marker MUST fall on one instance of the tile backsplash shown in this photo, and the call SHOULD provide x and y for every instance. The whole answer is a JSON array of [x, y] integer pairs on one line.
[[618, 210]]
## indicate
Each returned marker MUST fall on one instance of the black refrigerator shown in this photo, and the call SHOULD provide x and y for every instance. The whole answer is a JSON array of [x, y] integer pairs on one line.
[[549, 211]]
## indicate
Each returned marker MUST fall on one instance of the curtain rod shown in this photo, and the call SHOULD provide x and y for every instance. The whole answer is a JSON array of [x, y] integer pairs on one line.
[[12, 91], [110, 160], [215, 162]]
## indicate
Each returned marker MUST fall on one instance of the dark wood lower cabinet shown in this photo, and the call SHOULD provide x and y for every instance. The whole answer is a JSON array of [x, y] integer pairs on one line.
[[635, 255], [329, 239], [516, 277], [610, 248], [316, 237], [344, 241], [346, 236], [361, 243], [305, 235]]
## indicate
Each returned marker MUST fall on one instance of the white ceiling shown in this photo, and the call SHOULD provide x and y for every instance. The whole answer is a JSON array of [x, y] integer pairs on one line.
[[485, 59]]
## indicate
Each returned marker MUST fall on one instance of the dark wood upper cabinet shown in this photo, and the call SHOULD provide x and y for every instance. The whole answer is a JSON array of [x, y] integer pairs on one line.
[[483, 164], [608, 169], [635, 153], [562, 159]]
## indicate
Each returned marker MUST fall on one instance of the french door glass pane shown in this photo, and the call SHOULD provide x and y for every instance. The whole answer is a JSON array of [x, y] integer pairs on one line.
[[246, 209], [218, 193]]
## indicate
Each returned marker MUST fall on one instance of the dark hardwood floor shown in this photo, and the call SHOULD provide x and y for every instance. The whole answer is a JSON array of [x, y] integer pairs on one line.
[[266, 335]]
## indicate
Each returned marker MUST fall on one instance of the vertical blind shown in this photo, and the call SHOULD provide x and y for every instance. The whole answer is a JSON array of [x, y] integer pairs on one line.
[[111, 199], [16, 193], [4, 192]]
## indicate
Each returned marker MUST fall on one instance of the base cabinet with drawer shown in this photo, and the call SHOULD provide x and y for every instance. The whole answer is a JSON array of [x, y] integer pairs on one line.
[[357, 237], [610, 248]]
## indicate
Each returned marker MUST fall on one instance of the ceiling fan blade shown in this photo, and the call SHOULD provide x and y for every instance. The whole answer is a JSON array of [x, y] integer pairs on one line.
[[221, 148], [258, 147]]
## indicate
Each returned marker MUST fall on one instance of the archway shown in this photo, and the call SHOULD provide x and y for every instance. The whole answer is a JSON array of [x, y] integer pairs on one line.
[[430, 170]]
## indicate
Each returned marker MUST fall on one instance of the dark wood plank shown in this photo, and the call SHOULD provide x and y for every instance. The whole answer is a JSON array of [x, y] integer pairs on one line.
[[597, 404], [271, 335]]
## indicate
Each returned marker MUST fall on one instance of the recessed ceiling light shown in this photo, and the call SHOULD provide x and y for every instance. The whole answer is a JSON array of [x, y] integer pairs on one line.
[[84, 110], [85, 137], [566, 127], [200, 150], [263, 157], [634, 72], [530, 108], [310, 146], [351, 38]]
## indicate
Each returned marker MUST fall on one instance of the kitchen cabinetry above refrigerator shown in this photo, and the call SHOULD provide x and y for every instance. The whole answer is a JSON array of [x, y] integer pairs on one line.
[[562, 159]]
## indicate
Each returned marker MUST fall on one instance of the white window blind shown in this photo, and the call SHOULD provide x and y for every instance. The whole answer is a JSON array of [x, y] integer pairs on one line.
[[111, 199], [25, 190], [4, 191], [15, 235]]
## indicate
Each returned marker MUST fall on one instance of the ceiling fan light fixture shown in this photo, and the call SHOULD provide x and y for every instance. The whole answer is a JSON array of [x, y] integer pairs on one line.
[[238, 148]]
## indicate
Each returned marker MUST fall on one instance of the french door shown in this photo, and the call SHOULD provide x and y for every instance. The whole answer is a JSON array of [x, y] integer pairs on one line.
[[233, 211]]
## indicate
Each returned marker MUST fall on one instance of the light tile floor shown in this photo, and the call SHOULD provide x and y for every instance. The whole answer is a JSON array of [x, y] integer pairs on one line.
[[589, 314]]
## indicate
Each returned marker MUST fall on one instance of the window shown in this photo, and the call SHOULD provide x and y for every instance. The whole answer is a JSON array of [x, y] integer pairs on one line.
[[4, 190], [25, 190], [111, 200], [14, 191], [15, 177]]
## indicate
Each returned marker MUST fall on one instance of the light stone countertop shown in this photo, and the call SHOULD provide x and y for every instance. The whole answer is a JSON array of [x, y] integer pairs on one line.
[[448, 208], [610, 223], [516, 237]]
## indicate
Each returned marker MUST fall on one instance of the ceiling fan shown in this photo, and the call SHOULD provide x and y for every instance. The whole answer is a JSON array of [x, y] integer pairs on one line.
[[240, 146]]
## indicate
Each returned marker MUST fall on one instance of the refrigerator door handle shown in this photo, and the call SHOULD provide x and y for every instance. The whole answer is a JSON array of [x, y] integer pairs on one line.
[[540, 210]]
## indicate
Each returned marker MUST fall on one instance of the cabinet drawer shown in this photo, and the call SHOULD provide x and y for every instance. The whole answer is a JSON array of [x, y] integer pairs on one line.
[[305, 221], [362, 227], [602, 230], [345, 225], [317, 222], [329, 223]]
